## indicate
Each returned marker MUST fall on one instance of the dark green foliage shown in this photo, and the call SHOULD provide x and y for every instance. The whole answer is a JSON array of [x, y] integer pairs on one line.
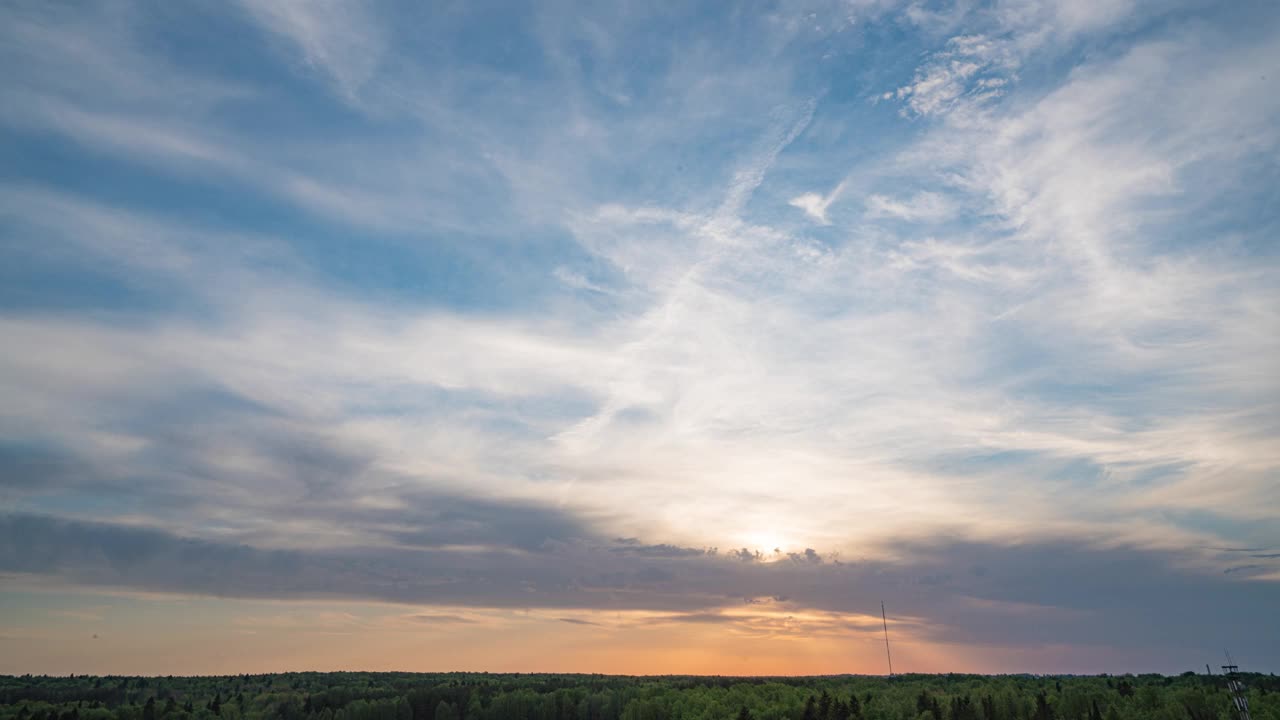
[[840, 710], [1043, 710], [446, 711], [482, 696]]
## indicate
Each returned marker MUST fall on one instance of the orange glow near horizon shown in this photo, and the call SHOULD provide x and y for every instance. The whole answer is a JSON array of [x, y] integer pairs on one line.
[[184, 635]]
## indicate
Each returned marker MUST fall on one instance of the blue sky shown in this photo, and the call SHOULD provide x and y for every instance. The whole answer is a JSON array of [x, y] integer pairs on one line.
[[664, 338]]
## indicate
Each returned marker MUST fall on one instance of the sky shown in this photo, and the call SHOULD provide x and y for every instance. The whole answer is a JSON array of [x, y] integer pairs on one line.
[[639, 337]]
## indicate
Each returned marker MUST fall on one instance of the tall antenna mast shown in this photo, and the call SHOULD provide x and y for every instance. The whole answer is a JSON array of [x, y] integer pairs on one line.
[[888, 656], [1236, 687]]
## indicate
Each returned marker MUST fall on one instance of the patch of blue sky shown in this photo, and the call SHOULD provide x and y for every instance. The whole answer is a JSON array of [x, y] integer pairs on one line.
[[193, 402], [1131, 401], [1046, 470], [47, 284], [53, 162], [1262, 532], [1077, 472], [1207, 208], [477, 270], [514, 415], [970, 462], [495, 36], [91, 503], [462, 271], [1151, 477], [210, 42]]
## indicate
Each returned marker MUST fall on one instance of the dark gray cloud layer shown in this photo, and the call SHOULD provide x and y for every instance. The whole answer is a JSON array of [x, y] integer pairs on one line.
[[979, 593], [289, 471]]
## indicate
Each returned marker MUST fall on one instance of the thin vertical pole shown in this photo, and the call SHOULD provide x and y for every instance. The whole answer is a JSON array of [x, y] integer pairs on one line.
[[885, 620]]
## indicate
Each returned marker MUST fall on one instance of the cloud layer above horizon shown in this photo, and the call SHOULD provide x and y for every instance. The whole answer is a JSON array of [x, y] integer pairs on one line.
[[644, 337]]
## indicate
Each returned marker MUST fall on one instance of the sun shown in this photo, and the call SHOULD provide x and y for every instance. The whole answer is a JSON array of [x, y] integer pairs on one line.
[[769, 543]]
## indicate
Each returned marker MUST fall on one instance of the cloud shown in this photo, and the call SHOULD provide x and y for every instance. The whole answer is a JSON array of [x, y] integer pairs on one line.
[[180, 124], [815, 205], [440, 619], [1093, 594], [978, 66], [921, 207], [973, 68], [28, 468], [809, 556], [695, 618], [340, 38], [660, 550], [482, 311], [749, 176], [434, 520]]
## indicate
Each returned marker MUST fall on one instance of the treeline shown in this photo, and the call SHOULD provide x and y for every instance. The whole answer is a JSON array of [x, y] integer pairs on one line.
[[481, 696]]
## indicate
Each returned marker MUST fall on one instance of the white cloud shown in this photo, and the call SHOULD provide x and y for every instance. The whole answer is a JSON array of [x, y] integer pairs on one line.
[[815, 205], [972, 68], [749, 176], [921, 207], [339, 37], [748, 381]]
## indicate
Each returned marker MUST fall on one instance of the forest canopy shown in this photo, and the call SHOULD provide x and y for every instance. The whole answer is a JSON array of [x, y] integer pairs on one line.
[[484, 696]]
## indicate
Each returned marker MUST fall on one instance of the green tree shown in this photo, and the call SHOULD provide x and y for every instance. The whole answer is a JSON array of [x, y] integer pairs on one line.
[[1044, 711], [446, 711]]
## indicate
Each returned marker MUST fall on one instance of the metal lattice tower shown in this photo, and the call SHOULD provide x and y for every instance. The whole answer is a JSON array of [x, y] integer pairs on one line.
[[884, 619], [1237, 690]]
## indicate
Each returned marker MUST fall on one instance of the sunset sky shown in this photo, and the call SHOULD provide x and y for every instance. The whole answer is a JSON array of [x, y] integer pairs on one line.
[[639, 337]]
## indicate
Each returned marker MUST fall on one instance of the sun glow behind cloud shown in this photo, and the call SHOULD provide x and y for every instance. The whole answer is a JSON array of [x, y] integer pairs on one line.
[[647, 329]]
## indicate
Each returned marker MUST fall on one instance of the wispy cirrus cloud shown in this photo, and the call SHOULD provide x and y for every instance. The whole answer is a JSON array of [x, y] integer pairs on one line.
[[923, 206], [340, 38]]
